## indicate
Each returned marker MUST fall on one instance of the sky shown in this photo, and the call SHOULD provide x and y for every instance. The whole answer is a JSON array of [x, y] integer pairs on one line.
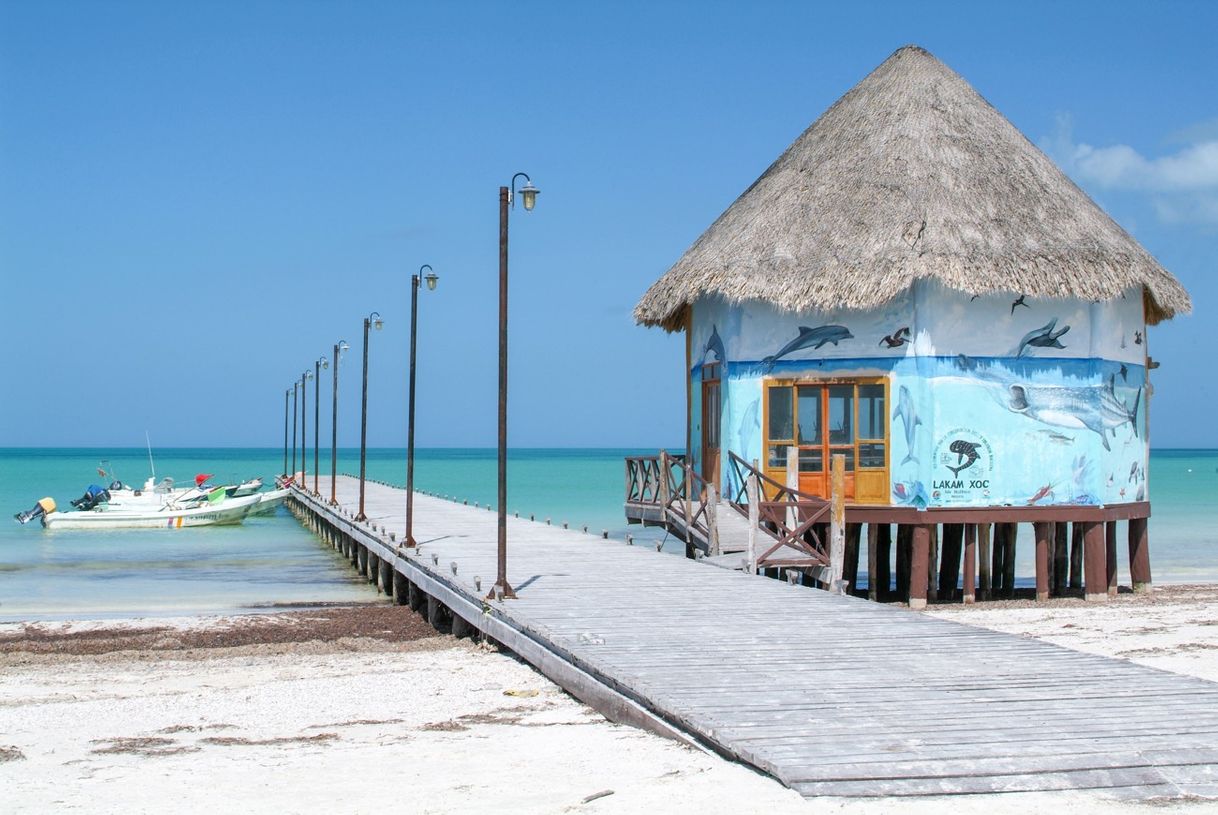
[[198, 200]]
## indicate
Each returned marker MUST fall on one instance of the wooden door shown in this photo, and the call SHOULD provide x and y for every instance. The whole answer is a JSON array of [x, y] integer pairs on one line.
[[711, 416]]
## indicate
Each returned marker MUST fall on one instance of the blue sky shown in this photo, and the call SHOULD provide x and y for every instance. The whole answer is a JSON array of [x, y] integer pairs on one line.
[[198, 200]]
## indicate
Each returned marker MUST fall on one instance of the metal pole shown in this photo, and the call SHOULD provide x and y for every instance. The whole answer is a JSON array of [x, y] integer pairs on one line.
[[295, 394], [285, 432], [316, 418], [304, 432], [414, 318], [363, 428], [502, 588], [334, 434]]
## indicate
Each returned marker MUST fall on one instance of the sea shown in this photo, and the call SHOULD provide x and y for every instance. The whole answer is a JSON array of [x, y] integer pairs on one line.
[[272, 563]]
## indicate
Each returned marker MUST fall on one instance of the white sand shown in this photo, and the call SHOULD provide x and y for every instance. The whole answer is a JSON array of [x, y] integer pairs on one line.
[[432, 726]]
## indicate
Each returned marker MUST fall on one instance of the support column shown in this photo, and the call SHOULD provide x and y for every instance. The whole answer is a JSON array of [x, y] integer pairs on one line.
[[873, 539], [1110, 557], [401, 589], [1043, 532], [904, 547], [361, 559], [1061, 557], [883, 561], [932, 565], [388, 584], [970, 563], [1095, 577], [919, 563], [949, 567], [850, 573], [983, 557], [1139, 555], [1076, 555]]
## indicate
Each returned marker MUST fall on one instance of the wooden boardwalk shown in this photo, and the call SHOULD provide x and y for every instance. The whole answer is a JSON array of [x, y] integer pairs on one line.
[[831, 695]]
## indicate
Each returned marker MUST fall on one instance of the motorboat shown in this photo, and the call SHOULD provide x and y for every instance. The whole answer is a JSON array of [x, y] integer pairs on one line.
[[271, 500], [214, 511]]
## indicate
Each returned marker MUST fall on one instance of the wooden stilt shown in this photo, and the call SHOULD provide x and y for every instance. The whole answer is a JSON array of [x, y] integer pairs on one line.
[[1110, 556], [401, 589], [1043, 532], [919, 566], [932, 566], [1139, 555], [883, 561], [904, 548], [949, 563], [873, 539], [983, 558], [850, 572], [1010, 538], [970, 563], [998, 552], [1095, 577], [1076, 555], [1061, 557]]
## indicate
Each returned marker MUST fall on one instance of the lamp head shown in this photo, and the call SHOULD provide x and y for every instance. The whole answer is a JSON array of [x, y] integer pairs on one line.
[[375, 320], [308, 374], [342, 347], [324, 362], [431, 277], [528, 195]]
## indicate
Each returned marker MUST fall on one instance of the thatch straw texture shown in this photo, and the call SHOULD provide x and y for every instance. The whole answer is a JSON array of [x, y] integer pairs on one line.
[[910, 175]]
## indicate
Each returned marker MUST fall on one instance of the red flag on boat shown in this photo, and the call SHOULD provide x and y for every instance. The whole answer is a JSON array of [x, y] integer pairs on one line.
[[201, 478]]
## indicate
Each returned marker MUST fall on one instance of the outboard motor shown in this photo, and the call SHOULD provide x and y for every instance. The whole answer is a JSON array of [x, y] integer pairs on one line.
[[43, 508], [93, 496]]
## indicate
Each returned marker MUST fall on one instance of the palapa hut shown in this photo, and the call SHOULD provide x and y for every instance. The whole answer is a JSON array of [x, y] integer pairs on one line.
[[914, 285]]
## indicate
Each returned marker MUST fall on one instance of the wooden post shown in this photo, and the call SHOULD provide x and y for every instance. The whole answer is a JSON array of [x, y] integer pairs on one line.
[[687, 471], [753, 491], [932, 566], [904, 549], [1110, 557], [1043, 532], [851, 573], [949, 568], [1076, 555], [1095, 577], [712, 519], [983, 557], [665, 494], [1010, 538], [883, 562], [918, 566], [1139, 555], [873, 539], [970, 563], [997, 563], [1061, 557], [837, 518], [401, 589], [792, 483]]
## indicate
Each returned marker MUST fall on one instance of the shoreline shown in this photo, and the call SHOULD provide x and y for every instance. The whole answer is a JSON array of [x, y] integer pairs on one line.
[[129, 715]]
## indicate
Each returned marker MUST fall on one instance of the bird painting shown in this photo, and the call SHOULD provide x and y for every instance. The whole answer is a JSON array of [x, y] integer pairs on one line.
[[897, 338], [1022, 301]]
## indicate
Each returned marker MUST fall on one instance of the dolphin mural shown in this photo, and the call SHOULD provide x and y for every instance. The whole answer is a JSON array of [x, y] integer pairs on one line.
[[714, 345], [1044, 337], [1095, 408], [748, 422], [812, 338], [909, 416]]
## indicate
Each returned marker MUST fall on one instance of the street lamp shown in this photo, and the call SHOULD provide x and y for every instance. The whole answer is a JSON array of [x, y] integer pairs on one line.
[[304, 429], [372, 320], [322, 362], [295, 394], [507, 198], [432, 278], [339, 349], [286, 395]]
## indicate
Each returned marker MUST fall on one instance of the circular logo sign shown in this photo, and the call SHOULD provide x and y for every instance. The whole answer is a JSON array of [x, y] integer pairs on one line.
[[963, 468]]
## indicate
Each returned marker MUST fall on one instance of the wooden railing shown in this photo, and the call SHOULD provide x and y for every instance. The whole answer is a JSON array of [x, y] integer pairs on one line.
[[681, 496], [790, 518]]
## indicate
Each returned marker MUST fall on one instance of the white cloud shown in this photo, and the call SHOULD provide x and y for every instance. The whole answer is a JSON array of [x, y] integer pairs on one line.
[[1183, 184]]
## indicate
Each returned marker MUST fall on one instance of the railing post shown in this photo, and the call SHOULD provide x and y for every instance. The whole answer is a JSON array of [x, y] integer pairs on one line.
[[792, 483], [629, 482], [664, 496], [712, 520], [752, 491], [687, 472], [837, 523]]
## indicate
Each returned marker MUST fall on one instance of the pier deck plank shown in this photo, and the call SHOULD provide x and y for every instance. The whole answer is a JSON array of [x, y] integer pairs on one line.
[[832, 695]]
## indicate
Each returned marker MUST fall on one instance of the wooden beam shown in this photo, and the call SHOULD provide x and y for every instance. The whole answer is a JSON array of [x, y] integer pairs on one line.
[[1043, 532], [1139, 555], [1095, 577], [970, 563], [919, 565], [1110, 556], [837, 516]]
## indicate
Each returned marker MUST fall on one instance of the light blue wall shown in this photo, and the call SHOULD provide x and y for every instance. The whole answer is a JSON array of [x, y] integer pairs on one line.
[[985, 408]]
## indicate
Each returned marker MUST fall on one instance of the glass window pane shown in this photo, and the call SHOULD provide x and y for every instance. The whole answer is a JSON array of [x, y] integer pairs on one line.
[[871, 412], [711, 411], [841, 414], [811, 460], [809, 415], [782, 419], [871, 455], [777, 459], [847, 452]]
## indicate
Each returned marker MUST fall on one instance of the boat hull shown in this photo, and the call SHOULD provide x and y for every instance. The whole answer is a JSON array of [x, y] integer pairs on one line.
[[269, 501], [231, 511]]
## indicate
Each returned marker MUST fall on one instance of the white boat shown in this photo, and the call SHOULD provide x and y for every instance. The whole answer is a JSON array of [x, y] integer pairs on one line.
[[245, 488], [270, 501], [224, 511]]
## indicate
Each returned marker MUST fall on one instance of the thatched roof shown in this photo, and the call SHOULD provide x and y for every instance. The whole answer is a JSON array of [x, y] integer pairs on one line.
[[910, 175]]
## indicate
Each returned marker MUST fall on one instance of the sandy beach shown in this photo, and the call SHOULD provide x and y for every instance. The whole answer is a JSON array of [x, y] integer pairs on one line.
[[358, 709]]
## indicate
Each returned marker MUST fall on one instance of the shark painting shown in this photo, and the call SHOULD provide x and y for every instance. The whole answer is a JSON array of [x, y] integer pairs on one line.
[[812, 338], [1095, 408]]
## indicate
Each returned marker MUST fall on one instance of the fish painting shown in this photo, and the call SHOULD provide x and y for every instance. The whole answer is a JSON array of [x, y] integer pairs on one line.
[[1057, 438], [1022, 301], [910, 493], [1124, 372], [909, 416], [1141, 494], [1044, 337], [812, 338], [748, 422], [1041, 494], [1095, 408], [1133, 472], [714, 345], [963, 450], [897, 338]]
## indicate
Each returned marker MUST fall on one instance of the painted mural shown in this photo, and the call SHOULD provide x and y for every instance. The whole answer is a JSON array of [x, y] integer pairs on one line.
[[992, 400]]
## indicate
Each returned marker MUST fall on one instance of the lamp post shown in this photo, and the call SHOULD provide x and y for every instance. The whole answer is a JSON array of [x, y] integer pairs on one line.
[[372, 319], [286, 394], [304, 429], [295, 394], [431, 278], [322, 362], [339, 349], [507, 199]]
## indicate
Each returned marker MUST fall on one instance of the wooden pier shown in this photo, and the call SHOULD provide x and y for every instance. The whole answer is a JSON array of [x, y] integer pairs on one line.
[[830, 694]]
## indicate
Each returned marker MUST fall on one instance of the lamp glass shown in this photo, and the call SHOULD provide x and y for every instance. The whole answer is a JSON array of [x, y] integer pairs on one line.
[[432, 278], [325, 363], [528, 195]]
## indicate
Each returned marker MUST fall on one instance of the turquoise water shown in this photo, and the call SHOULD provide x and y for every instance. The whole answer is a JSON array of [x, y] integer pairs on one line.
[[271, 562]]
